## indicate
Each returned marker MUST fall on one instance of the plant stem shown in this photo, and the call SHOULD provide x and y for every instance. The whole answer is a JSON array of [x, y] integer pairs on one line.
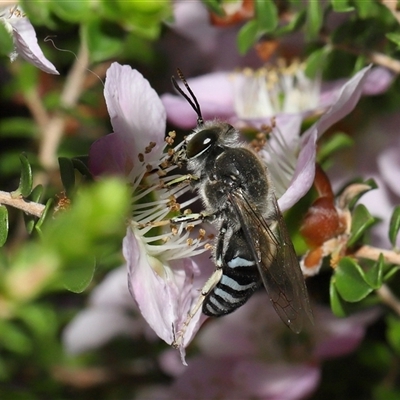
[[27, 206], [53, 132], [373, 253], [388, 298]]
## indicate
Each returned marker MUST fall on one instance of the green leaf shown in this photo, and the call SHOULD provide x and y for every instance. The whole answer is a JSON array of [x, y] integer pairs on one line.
[[314, 19], [394, 37], [374, 275], [39, 224], [366, 8], [333, 144], [390, 272], [3, 225], [394, 226], [103, 40], [17, 127], [39, 12], [26, 178], [30, 220], [247, 36], [316, 62], [13, 338], [214, 6], [80, 164], [393, 332], [6, 42], [67, 173], [72, 11], [350, 282], [266, 15], [337, 304], [341, 6], [361, 221], [78, 277]]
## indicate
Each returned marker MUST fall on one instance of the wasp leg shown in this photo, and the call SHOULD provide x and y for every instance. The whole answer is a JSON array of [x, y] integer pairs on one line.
[[193, 217], [211, 282], [184, 178], [209, 285]]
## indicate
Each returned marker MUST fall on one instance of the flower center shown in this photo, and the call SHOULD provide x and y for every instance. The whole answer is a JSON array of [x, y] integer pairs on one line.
[[271, 90]]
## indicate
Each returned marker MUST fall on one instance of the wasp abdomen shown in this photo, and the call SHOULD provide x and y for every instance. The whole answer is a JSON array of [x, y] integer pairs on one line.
[[239, 280]]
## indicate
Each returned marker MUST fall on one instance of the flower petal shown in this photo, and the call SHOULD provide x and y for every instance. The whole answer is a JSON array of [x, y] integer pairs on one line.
[[389, 167], [304, 173], [164, 293], [27, 46], [344, 103], [137, 113], [106, 156], [277, 381], [94, 327]]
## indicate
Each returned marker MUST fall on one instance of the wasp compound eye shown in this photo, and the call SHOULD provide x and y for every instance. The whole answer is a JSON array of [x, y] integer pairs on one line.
[[201, 142]]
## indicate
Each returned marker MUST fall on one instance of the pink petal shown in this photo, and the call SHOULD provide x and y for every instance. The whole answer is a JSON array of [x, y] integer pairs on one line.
[[27, 46], [208, 378], [344, 103], [304, 173], [94, 327], [106, 156], [389, 167], [305, 168], [378, 81], [137, 114], [276, 381], [340, 336], [164, 293], [214, 93]]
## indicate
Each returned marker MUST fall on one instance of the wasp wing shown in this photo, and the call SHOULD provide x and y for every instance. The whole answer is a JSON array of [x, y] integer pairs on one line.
[[276, 260]]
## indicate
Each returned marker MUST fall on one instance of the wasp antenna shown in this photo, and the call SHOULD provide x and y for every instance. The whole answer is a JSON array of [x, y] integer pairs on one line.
[[192, 100]]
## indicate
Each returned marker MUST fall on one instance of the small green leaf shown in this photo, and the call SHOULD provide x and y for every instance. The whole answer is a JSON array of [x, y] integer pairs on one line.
[[350, 282], [214, 6], [333, 144], [78, 277], [104, 40], [394, 225], [374, 275], [30, 220], [67, 172], [390, 272], [17, 127], [3, 224], [393, 332], [267, 15], [366, 8], [361, 221], [80, 164], [13, 338], [314, 19], [337, 304], [247, 36], [341, 6], [73, 11], [394, 37], [6, 43], [26, 178], [43, 217], [316, 62]]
